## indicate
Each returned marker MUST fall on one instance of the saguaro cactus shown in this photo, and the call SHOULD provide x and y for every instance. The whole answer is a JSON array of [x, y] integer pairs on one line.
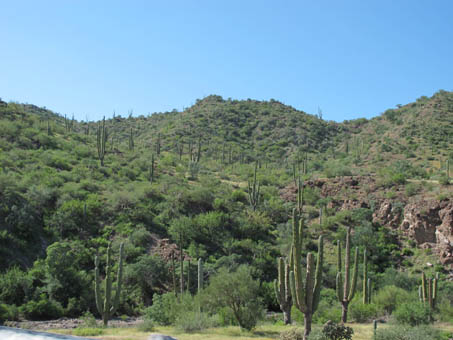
[[366, 281], [151, 169], [305, 293], [346, 289], [428, 290], [107, 307], [254, 190], [101, 139], [283, 290]]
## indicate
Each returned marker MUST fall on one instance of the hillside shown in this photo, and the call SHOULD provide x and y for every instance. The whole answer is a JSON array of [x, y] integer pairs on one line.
[[59, 206]]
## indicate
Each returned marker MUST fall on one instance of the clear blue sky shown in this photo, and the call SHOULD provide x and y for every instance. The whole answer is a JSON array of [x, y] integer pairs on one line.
[[351, 58]]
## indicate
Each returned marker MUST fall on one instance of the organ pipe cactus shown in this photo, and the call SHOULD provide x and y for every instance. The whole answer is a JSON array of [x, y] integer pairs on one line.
[[283, 290], [107, 307], [346, 289], [428, 290], [305, 293]]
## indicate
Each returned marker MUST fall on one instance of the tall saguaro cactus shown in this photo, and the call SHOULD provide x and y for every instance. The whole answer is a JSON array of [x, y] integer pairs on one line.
[[346, 289], [366, 281], [305, 293], [283, 290], [107, 307], [254, 190], [101, 139], [428, 290]]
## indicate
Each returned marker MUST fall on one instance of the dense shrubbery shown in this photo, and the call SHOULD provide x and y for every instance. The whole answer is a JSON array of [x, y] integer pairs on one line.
[[409, 333]]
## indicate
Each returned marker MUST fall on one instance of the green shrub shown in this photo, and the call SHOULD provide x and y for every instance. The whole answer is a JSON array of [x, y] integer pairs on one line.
[[8, 312], [162, 311], [88, 331], [292, 334], [334, 331], [43, 309], [389, 297], [88, 320], [413, 314], [408, 333], [146, 326], [238, 291], [193, 321], [361, 313]]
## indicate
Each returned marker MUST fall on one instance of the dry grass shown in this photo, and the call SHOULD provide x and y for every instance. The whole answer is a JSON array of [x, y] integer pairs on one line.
[[263, 332]]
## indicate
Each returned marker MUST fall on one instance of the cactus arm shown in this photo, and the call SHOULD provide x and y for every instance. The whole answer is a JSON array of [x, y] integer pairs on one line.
[[119, 280], [309, 283], [339, 287], [430, 293], [318, 275], [200, 275], [108, 285], [299, 285], [365, 277], [277, 292], [347, 260], [435, 289], [354, 275], [287, 284], [292, 284], [338, 256], [97, 286], [420, 294], [424, 288], [369, 290]]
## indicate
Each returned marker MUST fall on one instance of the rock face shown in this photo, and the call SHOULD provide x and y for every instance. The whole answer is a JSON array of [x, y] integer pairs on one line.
[[430, 224]]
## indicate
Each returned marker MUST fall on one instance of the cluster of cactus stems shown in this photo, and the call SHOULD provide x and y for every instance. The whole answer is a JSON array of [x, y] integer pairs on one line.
[[366, 281], [427, 292], [101, 139], [346, 287], [305, 292], [283, 289], [108, 306], [254, 190]]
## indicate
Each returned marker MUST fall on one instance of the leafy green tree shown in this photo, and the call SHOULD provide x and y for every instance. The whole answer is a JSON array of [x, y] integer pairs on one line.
[[237, 291]]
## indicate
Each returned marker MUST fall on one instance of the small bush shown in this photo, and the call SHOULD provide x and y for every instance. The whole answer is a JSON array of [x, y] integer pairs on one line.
[[162, 310], [413, 314], [408, 333], [334, 331], [8, 312], [88, 331], [292, 334], [146, 326], [43, 309], [361, 313], [389, 297], [193, 321], [88, 320]]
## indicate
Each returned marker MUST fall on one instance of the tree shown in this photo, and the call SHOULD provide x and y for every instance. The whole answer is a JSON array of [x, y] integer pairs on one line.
[[237, 291]]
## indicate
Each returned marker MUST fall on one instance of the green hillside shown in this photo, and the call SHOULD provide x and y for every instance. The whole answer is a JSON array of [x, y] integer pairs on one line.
[[183, 176]]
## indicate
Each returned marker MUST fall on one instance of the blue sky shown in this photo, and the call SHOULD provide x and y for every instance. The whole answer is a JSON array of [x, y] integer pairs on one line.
[[350, 58]]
